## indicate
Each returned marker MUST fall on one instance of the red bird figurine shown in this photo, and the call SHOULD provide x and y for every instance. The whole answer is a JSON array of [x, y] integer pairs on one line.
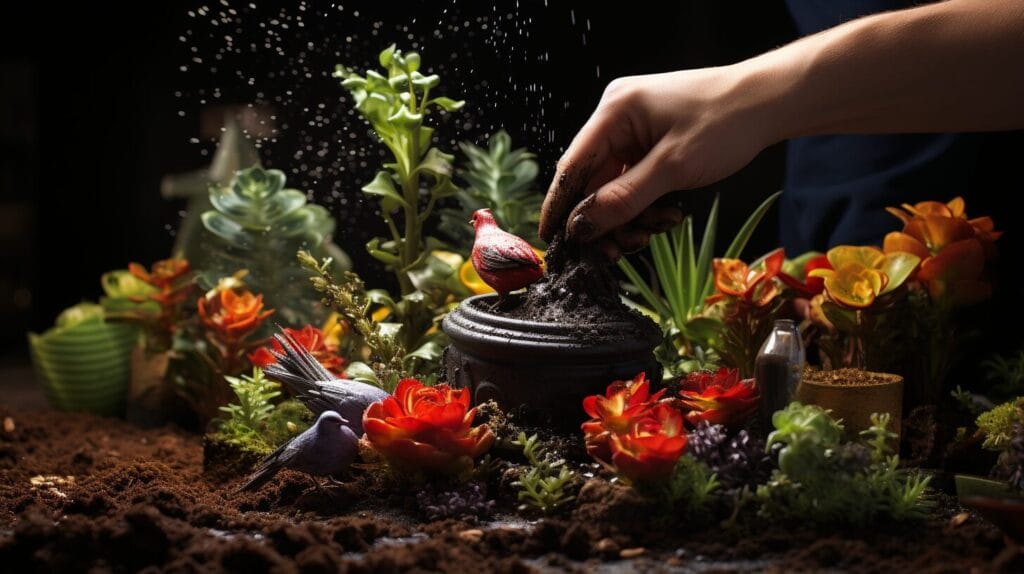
[[504, 261]]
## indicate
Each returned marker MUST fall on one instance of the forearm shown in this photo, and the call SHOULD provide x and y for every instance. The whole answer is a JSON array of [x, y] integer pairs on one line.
[[952, 66]]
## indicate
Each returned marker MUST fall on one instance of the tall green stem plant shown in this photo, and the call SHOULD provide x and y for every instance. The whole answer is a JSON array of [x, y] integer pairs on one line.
[[396, 104]]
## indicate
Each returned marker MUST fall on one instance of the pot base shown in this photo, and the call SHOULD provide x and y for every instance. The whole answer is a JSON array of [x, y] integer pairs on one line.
[[542, 371]]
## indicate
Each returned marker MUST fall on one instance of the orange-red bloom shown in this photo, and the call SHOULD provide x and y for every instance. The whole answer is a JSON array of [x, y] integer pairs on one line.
[[953, 249], [314, 341], [650, 450], [756, 286], [232, 316], [719, 397], [615, 413], [426, 428]]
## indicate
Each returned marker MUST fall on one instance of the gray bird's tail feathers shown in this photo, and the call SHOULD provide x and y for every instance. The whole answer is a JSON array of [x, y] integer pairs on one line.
[[296, 366], [267, 469]]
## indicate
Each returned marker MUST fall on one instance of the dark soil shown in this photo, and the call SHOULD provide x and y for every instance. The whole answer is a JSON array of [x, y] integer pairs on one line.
[[578, 286], [80, 493]]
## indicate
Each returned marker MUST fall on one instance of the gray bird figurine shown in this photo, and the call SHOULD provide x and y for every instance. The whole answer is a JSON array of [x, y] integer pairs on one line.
[[317, 388], [325, 448]]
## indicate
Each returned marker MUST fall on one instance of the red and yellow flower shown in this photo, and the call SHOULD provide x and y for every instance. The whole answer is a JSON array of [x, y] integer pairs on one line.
[[615, 413], [861, 274], [426, 428], [719, 397], [753, 285], [953, 249], [649, 451], [313, 340]]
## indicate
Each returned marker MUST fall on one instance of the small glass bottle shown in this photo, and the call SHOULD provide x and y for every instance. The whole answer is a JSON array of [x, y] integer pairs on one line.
[[778, 368]]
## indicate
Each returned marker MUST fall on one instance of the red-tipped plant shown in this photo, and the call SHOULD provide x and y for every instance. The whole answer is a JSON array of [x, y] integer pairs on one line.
[[173, 283], [426, 428], [615, 413], [719, 397], [648, 453]]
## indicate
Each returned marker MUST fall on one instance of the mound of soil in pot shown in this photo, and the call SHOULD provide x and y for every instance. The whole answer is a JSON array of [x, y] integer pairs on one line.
[[578, 287], [108, 496]]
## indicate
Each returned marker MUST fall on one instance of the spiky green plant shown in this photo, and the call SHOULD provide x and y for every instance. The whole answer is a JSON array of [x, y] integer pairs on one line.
[[258, 225], [545, 485], [499, 178], [681, 280], [396, 104]]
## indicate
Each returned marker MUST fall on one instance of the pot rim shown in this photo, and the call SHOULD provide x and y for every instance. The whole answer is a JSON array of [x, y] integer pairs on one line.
[[470, 307], [894, 379]]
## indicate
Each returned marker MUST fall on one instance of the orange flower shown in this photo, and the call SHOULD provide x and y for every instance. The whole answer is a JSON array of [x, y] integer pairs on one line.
[[426, 428], [616, 412], [720, 398], [757, 286], [650, 450], [860, 274], [173, 282], [313, 340], [232, 316], [165, 273], [953, 249]]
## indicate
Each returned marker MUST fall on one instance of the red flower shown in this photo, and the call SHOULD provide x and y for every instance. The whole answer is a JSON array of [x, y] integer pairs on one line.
[[427, 428], [719, 397], [810, 286], [313, 340], [624, 402], [649, 451], [757, 286]]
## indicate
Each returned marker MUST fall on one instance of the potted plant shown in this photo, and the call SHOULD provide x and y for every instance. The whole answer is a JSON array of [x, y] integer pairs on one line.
[[853, 395]]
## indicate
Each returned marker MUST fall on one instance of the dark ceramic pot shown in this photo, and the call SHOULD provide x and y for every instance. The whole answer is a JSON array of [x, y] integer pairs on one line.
[[542, 370]]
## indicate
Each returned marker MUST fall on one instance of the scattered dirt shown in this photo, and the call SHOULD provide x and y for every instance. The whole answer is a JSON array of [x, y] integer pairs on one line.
[[112, 497]]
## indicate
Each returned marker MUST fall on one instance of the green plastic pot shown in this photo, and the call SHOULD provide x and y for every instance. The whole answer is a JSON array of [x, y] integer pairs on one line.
[[85, 366]]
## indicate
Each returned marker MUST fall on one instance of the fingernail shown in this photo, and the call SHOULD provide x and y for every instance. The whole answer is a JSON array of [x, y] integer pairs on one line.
[[580, 228]]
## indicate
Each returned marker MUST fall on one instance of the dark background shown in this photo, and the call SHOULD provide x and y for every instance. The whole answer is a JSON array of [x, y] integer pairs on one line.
[[89, 121], [95, 110]]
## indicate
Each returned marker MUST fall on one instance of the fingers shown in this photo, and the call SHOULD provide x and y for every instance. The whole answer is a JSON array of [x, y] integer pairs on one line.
[[587, 164], [621, 199]]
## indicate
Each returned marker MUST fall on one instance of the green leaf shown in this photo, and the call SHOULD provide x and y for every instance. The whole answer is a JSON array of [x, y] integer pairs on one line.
[[412, 61], [436, 163], [447, 104], [743, 236], [898, 267], [702, 330], [359, 371], [707, 249], [386, 55], [383, 187], [425, 82], [405, 119], [227, 229]]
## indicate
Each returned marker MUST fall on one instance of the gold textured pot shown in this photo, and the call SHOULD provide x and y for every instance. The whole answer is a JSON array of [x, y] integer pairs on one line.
[[853, 395]]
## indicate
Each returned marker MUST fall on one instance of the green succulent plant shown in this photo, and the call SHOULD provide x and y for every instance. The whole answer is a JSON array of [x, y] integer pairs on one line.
[[258, 225], [500, 178], [547, 484]]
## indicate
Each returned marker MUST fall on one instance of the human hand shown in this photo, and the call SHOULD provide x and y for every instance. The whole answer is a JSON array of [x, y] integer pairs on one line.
[[648, 136]]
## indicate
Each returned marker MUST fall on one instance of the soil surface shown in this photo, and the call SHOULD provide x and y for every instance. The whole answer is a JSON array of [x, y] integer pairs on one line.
[[81, 493], [848, 377]]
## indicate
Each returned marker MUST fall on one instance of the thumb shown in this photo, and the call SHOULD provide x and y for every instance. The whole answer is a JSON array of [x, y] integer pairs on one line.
[[623, 198]]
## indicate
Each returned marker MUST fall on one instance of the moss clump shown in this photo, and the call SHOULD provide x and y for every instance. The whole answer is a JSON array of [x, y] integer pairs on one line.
[[997, 424]]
